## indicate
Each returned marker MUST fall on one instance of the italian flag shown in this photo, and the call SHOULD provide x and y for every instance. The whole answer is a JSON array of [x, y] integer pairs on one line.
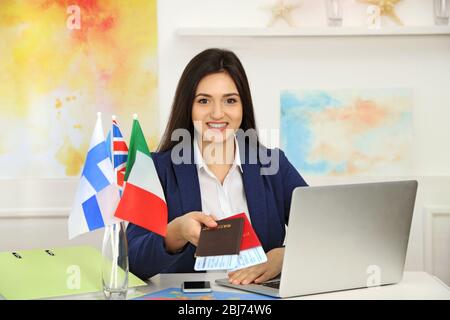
[[143, 202]]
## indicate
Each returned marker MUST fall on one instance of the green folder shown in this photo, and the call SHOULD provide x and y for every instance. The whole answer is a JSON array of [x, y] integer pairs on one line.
[[46, 273]]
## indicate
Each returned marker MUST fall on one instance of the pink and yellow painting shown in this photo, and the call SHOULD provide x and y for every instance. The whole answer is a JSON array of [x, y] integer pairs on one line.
[[60, 63], [348, 132]]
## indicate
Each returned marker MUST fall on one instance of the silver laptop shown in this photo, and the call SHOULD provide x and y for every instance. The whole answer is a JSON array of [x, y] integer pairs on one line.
[[343, 237]]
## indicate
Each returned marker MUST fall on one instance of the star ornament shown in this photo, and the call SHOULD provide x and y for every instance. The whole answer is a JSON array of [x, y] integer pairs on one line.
[[282, 10], [387, 8]]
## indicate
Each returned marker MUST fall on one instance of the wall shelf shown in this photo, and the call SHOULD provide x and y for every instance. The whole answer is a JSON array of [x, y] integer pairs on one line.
[[311, 31]]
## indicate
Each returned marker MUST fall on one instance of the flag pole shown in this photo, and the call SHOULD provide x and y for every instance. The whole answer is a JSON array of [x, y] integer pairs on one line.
[[108, 228], [114, 235]]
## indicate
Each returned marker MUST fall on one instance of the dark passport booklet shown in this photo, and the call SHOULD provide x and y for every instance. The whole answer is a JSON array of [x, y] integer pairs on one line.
[[225, 239]]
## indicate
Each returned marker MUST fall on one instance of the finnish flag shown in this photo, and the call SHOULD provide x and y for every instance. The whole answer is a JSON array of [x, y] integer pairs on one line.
[[97, 195]]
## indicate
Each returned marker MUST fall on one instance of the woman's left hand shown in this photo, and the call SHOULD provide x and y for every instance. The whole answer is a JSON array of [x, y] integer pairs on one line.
[[261, 272]]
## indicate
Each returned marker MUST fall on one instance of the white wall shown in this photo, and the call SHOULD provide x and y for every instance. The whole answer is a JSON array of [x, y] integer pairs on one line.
[[33, 213]]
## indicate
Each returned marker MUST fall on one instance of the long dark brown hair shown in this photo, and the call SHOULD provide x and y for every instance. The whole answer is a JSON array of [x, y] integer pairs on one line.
[[203, 64]]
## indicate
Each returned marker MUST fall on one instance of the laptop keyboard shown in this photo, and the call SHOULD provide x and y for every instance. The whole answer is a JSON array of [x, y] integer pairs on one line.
[[272, 284]]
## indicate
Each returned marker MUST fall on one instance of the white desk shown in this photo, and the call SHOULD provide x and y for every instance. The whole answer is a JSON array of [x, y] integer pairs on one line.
[[415, 285]]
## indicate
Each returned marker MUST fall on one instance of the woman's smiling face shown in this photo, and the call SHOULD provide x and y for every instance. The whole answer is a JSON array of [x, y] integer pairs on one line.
[[217, 107]]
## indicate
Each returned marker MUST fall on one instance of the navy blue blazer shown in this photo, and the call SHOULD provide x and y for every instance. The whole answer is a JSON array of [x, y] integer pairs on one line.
[[268, 200]]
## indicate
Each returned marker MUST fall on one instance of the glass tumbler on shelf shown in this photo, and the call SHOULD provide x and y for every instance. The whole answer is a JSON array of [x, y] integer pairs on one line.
[[441, 12], [334, 12], [115, 262]]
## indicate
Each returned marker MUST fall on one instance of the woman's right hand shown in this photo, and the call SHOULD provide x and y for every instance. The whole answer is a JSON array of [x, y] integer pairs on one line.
[[186, 228]]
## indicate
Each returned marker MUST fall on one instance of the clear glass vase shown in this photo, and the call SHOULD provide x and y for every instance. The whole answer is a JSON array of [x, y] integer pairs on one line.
[[115, 262]]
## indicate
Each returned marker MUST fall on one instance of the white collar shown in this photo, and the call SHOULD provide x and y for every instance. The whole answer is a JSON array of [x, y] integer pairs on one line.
[[199, 161]]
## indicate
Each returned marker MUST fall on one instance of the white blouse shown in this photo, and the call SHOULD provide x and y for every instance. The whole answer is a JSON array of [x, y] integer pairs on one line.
[[222, 200]]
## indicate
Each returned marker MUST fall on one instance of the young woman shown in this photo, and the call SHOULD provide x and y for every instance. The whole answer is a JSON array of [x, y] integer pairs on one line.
[[223, 171]]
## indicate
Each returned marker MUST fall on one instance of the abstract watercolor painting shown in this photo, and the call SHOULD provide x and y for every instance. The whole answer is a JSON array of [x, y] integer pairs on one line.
[[61, 62], [348, 132]]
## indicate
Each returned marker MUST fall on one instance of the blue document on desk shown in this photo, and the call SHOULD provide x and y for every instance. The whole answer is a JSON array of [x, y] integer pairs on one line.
[[177, 294]]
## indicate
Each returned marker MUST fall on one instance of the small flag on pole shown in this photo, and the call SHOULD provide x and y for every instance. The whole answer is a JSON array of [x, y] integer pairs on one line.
[[119, 154], [97, 195], [143, 202]]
